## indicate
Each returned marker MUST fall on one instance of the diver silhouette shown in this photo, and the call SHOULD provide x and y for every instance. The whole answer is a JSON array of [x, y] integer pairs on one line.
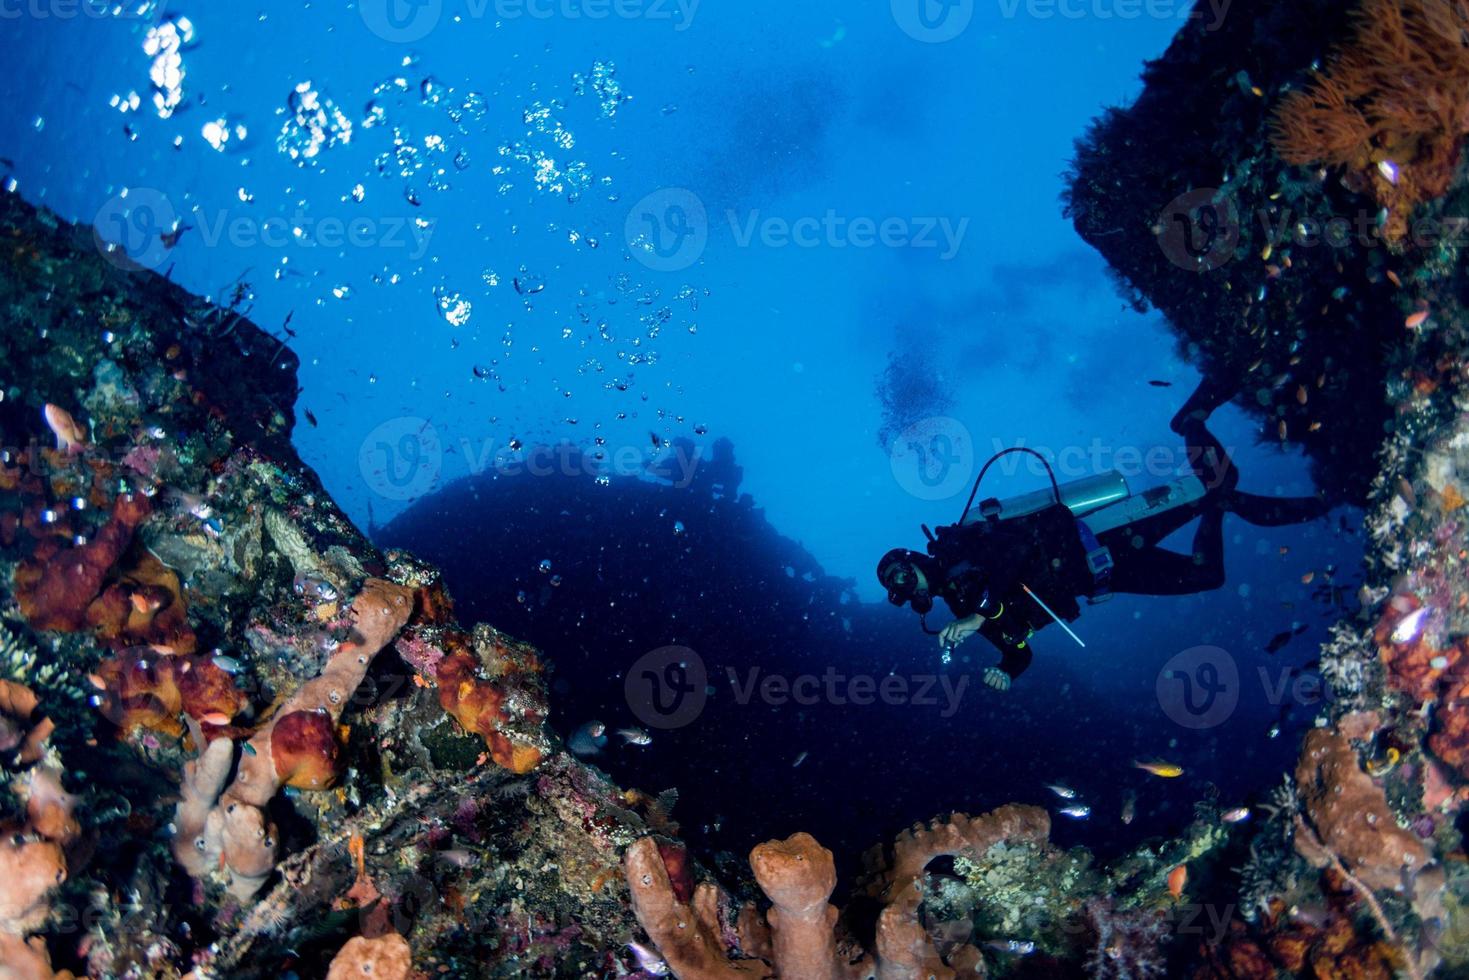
[[1010, 568]]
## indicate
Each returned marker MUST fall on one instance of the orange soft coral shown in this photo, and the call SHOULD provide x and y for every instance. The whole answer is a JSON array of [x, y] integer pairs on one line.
[[23, 729], [145, 689], [506, 707], [1392, 106], [145, 607], [1350, 817], [56, 591]]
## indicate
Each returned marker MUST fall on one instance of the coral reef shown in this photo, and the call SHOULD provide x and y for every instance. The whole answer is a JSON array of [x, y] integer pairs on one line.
[[1390, 106]]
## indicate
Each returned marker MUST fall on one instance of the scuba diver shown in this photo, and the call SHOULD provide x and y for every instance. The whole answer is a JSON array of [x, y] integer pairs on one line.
[[1009, 568]]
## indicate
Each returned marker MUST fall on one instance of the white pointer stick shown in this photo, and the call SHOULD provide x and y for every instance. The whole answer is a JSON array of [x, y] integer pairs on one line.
[[1040, 602]]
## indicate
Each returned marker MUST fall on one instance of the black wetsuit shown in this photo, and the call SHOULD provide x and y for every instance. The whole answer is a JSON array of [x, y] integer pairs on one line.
[[984, 566], [987, 565]]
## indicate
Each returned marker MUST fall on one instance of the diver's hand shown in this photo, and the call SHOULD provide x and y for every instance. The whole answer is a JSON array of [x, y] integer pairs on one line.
[[958, 631], [996, 678]]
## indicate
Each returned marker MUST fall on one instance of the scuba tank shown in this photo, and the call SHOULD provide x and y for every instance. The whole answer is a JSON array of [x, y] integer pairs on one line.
[[1129, 510], [1081, 497]]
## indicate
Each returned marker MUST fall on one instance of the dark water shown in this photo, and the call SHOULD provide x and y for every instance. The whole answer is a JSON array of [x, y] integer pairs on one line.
[[636, 565]]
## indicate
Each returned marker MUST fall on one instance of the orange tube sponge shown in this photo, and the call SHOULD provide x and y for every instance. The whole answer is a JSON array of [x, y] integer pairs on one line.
[[388, 957], [798, 875], [22, 960], [691, 945], [378, 614], [29, 870], [1350, 815], [229, 828], [304, 747]]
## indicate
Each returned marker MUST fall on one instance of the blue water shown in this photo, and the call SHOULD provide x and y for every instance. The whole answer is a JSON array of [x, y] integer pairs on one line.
[[868, 198]]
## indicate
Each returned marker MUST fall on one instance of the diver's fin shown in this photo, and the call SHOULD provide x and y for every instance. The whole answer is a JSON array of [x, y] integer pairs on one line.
[[1209, 395], [1273, 511]]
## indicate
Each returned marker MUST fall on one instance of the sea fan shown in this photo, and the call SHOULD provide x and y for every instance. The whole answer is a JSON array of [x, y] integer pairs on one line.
[[1129, 944]]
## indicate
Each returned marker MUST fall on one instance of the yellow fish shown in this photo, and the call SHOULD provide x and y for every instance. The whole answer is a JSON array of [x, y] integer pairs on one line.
[[1166, 770]]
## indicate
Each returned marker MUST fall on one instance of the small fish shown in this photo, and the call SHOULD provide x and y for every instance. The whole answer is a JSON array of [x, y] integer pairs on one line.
[[227, 664], [1279, 640], [1077, 811], [1177, 878], [1161, 384], [144, 603], [648, 960], [171, 238], [216, 718], [1015, 947], [1129, 807], [1416, 320], [1382, 765], [1065, 792], [635, 736], [311, 417], [800, 758], [588, 739], [1407, 629], [1161, 769], [1238, 815]]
